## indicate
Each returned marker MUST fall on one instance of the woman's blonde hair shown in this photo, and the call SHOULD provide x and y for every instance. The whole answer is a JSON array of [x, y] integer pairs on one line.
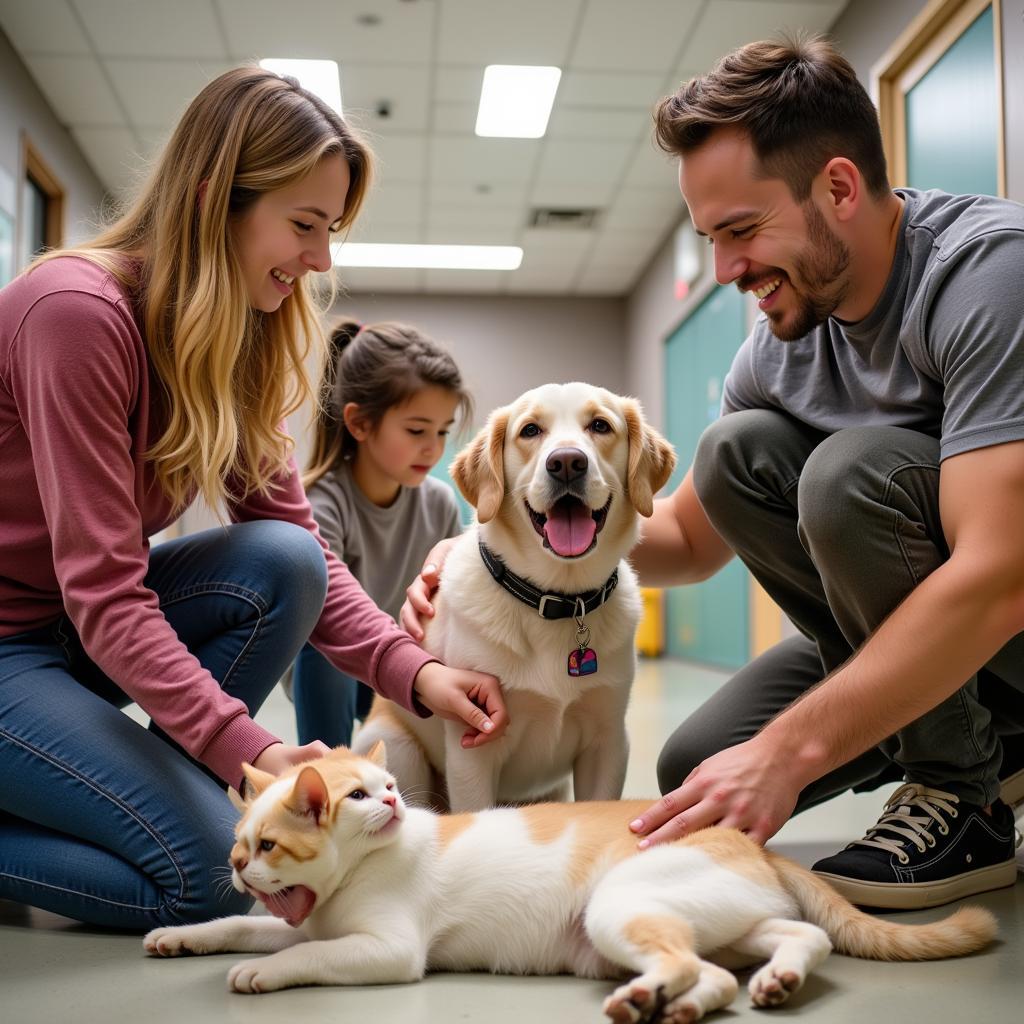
[[376, 367], [229, 374]]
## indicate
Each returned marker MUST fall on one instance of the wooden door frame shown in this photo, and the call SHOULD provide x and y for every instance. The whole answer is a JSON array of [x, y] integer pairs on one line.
[[913, 54]]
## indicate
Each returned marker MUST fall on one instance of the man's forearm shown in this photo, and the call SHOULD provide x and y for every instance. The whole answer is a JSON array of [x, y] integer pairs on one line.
[[948, 627], [668, 554]]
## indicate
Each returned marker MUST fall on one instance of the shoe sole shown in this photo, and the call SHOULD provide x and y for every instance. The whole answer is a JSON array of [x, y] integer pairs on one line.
[[919, 895], [1011, 790]]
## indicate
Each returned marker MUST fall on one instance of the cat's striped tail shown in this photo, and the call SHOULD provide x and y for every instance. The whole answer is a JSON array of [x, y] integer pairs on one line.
[[858, 934]]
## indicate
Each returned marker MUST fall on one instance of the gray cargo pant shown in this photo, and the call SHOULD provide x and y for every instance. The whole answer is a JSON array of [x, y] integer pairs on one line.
[[839, 529]]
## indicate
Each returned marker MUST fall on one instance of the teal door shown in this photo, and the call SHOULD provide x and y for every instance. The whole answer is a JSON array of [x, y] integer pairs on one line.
[[707, 621], [441, 472], [952, 117]]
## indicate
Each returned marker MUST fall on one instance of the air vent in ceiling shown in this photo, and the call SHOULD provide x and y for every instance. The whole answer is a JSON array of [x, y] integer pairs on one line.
[[564, 218]]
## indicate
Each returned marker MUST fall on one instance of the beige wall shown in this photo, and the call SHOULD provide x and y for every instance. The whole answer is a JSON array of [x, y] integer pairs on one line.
[[23, 110]]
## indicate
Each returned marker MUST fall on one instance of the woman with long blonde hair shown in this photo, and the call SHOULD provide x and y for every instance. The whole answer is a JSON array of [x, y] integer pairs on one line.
[[157, 363]]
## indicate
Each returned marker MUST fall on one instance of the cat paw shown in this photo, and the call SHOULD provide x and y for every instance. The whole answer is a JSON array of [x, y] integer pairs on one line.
[[635, 1003], [175, 941], [772, 986], [253, 977]]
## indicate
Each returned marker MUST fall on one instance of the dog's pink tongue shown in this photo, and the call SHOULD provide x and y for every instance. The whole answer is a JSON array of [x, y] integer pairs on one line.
[[570, 528], [293, 904]]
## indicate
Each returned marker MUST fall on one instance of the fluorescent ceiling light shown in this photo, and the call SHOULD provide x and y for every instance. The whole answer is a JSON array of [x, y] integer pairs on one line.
[[431, 257], [515, 101], [320, 77]]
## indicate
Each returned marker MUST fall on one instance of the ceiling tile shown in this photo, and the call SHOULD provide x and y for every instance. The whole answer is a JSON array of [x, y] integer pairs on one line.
[[184, 28], [156, 92], [482, 161], [651, 167], [406, 90], [455, 119], [485, 32], [616, 36], [402, 204], [509, 220], [441, 232], [613, 91], [43, 26], [727, 24], [76, 89], [399, 158], [584, 123], [583, 161], [570, 195], [541, 280], [330, 29], [640, 209]]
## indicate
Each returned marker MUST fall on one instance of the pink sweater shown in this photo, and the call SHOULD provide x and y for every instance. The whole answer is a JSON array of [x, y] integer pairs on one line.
[[78, 502]]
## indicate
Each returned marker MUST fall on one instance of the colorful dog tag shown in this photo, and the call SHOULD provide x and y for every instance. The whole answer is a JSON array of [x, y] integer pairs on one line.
[[582, 662]]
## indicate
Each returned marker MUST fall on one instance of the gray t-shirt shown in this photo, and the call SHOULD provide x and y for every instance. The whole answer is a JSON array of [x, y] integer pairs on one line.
[[942, 352], [384, 548]]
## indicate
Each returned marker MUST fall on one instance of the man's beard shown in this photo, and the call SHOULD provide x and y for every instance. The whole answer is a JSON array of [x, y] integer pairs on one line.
[[820, 267]]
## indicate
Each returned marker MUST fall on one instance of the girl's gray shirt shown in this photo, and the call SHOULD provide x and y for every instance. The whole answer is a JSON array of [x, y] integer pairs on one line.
[[384, 548], [942, 352]]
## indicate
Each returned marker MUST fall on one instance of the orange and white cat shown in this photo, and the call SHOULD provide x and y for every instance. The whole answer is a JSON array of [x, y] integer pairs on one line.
[[364, 891]]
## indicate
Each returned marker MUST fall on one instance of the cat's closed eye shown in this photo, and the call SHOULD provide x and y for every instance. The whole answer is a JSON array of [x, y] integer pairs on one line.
[[357, 794]]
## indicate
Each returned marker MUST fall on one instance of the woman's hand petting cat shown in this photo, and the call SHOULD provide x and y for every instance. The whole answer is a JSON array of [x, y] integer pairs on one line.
[[751, 787], [417, 607], [463, 695], [279, 756]]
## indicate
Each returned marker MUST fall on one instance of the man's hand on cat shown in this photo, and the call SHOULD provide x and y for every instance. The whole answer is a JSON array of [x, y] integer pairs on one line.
[[279, 756], [752, 787], [417, 607], [462, 695]]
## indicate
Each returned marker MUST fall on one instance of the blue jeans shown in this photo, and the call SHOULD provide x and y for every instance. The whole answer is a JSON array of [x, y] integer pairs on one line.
[[327, 702], [105, 821]]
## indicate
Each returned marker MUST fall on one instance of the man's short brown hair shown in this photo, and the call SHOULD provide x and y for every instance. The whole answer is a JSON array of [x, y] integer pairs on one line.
[[798, 101]]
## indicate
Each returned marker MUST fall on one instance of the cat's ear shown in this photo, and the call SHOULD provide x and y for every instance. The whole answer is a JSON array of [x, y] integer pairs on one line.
[[258, 780], [309, 797], [378, 754], [239, 804]]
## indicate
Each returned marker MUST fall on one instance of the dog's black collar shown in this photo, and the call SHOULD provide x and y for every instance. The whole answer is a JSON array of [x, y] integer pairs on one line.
[[548, 605]]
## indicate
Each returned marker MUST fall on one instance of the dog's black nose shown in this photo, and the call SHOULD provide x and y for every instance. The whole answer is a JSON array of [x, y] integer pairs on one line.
[[567, 464]]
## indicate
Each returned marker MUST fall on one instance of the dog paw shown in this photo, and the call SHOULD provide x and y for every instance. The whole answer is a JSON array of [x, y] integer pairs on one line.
[[635, 1003], [772, 986]]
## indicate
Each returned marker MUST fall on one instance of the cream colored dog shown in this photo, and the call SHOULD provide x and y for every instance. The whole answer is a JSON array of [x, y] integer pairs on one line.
[[539, 594]]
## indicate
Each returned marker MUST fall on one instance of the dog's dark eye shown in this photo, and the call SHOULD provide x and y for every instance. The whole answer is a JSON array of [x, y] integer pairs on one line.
[[357, 794], [266, 845], [600, 426], [530, 430]]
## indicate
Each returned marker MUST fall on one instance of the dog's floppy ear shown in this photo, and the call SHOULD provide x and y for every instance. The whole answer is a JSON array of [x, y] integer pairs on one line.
[[479, 469], [651, 459]]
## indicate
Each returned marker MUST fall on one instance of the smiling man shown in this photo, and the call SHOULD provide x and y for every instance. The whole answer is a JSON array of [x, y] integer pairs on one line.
[[868, 468]]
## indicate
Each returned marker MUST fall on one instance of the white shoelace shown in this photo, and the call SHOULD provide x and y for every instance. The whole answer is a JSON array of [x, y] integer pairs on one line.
[[899, 817]]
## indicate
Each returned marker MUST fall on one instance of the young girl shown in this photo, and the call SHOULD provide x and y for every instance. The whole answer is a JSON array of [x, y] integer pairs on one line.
[[153, 364], [381, 428]]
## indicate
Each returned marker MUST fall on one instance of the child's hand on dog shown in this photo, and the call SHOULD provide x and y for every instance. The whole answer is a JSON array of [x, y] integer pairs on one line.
[[417, 606]]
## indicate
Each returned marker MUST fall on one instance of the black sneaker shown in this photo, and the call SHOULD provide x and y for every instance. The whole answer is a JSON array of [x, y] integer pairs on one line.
[[927, 848]]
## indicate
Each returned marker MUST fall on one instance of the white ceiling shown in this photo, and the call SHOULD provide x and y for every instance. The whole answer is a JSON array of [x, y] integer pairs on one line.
[[118, 73]]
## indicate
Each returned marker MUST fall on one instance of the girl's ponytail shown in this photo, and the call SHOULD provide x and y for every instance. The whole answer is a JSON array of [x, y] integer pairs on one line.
[[327, 426]]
